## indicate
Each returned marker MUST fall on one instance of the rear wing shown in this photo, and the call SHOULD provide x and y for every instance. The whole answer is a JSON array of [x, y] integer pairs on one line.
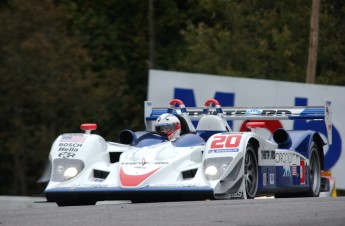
[[243, 113]]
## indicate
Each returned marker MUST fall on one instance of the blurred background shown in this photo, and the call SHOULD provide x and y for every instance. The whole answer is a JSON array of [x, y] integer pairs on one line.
[[66, 62]]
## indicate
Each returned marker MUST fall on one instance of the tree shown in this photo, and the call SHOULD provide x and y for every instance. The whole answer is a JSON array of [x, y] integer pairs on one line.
[[331, 52], [262, 39], [47, 87]]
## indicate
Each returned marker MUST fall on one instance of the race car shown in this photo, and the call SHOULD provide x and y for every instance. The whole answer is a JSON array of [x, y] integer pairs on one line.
[[207, 161]]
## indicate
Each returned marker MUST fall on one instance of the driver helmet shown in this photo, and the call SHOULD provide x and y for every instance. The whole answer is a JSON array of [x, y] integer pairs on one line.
[[168, 125]]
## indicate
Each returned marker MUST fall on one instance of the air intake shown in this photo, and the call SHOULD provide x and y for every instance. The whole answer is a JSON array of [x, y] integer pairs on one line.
[[100, 174], [114, 156], [188, 174], [282, 138]]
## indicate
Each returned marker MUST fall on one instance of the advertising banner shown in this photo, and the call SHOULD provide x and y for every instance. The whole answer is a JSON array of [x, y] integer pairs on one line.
[[194, 89]]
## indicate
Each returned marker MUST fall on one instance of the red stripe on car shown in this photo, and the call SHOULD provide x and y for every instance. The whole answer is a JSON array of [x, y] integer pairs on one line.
[[134, 180]]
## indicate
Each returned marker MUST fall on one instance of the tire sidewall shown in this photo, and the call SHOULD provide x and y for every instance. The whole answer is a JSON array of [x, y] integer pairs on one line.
[[314, 151], [251, 150]]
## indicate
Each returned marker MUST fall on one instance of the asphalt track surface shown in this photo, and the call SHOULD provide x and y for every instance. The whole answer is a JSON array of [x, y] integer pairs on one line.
[[291, 211]]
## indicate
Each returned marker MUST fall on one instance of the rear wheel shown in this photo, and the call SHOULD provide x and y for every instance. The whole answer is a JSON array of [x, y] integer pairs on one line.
[[314, 172], [251, 172]]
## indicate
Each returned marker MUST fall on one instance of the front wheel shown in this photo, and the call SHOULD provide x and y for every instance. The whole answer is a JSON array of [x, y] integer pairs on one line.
[[251, 172]]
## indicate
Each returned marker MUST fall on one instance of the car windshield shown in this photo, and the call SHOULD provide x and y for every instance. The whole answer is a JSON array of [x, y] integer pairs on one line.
[[149, 139]]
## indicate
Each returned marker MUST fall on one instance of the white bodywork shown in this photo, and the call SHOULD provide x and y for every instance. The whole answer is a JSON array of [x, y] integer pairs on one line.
[[159, 165], [211, 162]]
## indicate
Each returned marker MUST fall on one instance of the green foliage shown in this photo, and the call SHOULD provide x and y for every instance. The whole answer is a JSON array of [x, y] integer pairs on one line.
[[331, 51], [66, 62], [263, 39], [48, 88], [248, 39]]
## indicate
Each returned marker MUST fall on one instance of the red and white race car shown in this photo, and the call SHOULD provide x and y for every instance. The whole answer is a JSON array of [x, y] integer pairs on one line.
[[208, 160]]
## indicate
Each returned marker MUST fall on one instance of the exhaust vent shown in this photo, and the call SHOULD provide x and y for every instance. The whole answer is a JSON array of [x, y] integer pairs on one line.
[[99, 174], [114, 156]]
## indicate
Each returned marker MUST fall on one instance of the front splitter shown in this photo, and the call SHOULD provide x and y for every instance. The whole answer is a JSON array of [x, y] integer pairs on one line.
[[149, 193]]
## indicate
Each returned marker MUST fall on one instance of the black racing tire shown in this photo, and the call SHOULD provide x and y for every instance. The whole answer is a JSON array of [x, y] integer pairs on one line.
[[314, 171], [251, 172]]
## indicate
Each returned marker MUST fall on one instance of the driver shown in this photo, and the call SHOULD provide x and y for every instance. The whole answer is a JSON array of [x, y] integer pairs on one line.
[[169, 126]]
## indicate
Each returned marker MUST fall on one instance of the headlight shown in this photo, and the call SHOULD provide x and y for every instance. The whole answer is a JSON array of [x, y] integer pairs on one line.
[[70, 172], [215, 167], [211, 171], [65, 169]]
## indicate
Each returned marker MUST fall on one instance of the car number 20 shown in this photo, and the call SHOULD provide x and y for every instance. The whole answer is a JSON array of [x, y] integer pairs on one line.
[[225, 141]]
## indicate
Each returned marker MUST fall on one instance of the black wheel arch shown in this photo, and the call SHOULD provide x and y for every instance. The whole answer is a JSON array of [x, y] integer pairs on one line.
[[320, 143], [256, 144]]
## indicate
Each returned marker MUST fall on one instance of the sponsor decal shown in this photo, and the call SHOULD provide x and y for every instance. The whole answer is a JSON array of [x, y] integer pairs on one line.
[[271, 178], [98, 180], [66, 155], [264, 179], [76, 138], [302, 172], [258, 112], [69, 147], [294, 170], [253, 112], [244, 112], [287, 171], [223, 150], [268, 154], [284, 157], [237, 195], [225, 143], [143, 162]]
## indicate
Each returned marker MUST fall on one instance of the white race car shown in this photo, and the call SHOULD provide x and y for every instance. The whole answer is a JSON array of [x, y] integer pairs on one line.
[[208, 160]]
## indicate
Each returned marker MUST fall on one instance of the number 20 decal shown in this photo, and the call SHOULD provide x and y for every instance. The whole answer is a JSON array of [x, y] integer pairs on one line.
[[225, 141]]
